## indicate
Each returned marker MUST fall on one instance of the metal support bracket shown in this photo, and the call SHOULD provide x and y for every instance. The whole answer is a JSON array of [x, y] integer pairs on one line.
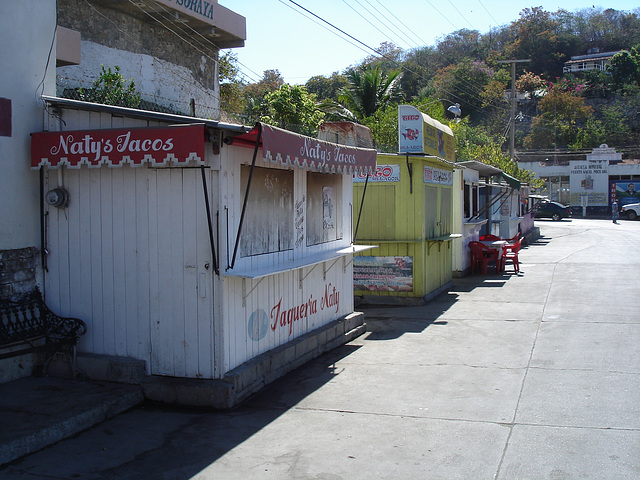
[[325, 269], [346, 264], [301, 277], [245, 294], [410, 169]]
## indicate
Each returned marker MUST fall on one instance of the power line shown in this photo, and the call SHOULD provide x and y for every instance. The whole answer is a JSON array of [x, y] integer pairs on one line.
[[377, 52], [321, 25], [365, 19], [442, 15], [488, 12], [465, 18], [333, 26], [403, 24], [134, 41], [387, 23]]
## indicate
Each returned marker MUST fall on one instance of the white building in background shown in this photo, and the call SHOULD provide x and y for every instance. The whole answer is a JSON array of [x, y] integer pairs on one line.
[[591, 182], [591, 61]]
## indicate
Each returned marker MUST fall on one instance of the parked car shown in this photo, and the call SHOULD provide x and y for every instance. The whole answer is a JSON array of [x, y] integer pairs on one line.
[[632, 211], [554, 210]]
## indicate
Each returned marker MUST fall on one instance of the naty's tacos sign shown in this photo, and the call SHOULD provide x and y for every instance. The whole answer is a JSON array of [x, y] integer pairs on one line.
[[135, 146]]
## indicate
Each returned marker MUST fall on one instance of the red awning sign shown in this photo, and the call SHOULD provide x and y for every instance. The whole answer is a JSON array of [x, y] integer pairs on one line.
[[291, 149], [114, 148]]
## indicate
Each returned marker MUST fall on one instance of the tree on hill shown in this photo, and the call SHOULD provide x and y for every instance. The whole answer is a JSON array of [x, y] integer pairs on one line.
[[292, 108], [462, 68], [271, 81], [388, 57], [418, 70], [458, 46], [563, 113], [254, 93], [539, 37], [464, 83], [608, 30], [326, 87], [231, 94], [369, 89], [625, 68]]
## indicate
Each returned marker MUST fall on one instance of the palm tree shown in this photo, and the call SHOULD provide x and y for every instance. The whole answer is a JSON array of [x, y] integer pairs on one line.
[[369, 89]]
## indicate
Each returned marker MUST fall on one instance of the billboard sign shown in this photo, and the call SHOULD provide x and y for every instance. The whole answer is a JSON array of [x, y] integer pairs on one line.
[[419, 133], [625, 192], [589, 178]]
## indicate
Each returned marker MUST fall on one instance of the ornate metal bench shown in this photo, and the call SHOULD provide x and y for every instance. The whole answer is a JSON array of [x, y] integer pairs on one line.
[[30, 326]]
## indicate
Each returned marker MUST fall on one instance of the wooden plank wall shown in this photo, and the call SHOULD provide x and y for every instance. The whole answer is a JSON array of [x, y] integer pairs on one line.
[[128, 257], [246, 301], [264, 298]]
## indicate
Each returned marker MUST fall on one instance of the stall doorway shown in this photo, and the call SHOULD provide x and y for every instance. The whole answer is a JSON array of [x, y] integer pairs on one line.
[[432, 229], [181, 303]]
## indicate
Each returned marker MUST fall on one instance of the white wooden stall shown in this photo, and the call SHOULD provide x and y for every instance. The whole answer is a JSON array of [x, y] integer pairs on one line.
[[466, 223], [194, 290]]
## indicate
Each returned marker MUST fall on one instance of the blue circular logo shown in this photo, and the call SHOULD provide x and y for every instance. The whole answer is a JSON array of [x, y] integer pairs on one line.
[[258, 325]]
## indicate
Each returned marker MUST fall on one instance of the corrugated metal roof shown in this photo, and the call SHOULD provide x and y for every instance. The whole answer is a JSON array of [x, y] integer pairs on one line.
[[484, 169], [146, 114]]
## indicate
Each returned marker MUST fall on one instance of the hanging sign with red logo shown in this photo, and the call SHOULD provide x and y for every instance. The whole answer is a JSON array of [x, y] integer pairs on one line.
[[183, 145], [382, 174]]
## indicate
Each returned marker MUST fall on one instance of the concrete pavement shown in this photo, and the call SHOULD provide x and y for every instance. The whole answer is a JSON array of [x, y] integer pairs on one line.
[[506, 377]]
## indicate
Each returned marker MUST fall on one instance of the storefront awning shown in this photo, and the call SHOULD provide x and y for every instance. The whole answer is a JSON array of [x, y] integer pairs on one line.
[[483, 169], [490, 171], [291, 149], [511, 181], [179, 145]]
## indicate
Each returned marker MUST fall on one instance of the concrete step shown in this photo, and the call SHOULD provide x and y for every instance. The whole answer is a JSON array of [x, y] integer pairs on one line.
[[36, 412]]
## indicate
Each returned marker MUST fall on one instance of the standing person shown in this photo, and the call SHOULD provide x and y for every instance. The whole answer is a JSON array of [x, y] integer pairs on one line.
[[614, 211]]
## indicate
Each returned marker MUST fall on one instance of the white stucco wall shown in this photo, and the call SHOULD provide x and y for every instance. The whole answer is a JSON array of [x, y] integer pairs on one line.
[[157, 80], [28, 29]]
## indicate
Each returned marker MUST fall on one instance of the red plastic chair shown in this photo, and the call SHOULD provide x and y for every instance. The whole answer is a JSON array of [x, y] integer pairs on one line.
[[510, 245], [514, 238], [489, 238], [510, 253], [482, 255]]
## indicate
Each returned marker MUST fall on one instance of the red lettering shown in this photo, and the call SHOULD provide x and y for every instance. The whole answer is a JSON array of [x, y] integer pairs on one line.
[[275, 317]]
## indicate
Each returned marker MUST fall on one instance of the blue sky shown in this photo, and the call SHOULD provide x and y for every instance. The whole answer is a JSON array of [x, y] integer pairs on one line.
[[280, 37]]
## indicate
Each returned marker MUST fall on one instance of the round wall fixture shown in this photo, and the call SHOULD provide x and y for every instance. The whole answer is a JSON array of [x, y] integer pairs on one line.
[[58, 197]]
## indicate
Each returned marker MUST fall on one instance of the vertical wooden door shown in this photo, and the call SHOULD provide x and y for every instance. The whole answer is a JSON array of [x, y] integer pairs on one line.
[[181, 293]]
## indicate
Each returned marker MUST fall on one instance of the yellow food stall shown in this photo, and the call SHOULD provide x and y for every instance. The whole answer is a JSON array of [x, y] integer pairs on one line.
[[407, 212]]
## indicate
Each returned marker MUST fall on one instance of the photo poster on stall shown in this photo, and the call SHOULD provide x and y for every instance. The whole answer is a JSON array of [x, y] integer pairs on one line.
[[328, 209], [625, 192], [383, 274], [589, 179], [438, 176]]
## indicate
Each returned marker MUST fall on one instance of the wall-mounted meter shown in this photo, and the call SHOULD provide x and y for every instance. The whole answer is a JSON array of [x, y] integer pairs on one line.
[[58, 197]]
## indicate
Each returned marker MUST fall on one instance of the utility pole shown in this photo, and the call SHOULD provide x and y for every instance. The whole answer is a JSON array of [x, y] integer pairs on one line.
[[512, 129]]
